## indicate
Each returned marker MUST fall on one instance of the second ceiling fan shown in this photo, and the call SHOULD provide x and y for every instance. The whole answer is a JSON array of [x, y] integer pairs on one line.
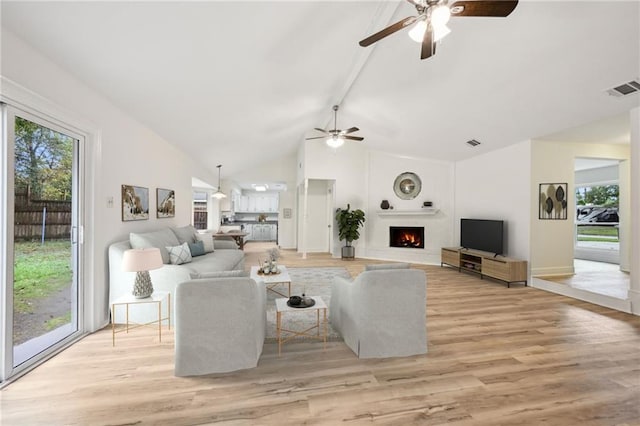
[[433, 15], [336, 137]]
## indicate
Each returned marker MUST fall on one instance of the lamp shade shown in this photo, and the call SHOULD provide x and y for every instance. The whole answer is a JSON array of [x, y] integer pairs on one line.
[[146, 259]]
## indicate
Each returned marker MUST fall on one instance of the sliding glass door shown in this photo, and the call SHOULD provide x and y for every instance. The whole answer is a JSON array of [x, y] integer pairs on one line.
[[41, 239]]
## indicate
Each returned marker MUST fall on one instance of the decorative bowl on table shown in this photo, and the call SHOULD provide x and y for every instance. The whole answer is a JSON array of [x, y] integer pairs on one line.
[[268, 271]]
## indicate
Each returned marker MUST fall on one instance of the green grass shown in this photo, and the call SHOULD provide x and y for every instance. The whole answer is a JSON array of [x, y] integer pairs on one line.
[[607, 234], [598, 230], [54, 323], [39, 271], [604, 240]]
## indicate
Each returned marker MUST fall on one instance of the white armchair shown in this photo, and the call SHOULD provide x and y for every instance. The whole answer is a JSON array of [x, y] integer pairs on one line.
[[220, 325], [382, 313]]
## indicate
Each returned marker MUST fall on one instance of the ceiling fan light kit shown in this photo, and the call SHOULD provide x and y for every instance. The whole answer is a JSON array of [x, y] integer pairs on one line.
[[336, 138], [433, 15], [335, 142]]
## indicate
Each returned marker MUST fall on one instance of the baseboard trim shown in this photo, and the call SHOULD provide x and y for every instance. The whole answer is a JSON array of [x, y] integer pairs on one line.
[[552, 272], [623, 305]]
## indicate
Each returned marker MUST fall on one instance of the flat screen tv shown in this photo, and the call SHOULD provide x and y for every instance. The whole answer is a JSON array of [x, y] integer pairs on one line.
[[482, 234]]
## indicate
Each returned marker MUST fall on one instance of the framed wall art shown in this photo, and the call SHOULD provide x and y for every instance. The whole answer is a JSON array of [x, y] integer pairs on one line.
[[135, 203], [552, 204], [166, 203]]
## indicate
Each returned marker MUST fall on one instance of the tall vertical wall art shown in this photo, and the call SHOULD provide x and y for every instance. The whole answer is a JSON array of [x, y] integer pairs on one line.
[[552, 203]]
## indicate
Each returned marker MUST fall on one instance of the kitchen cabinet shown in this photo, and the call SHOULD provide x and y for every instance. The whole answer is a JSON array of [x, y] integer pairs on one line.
[[243, 204], [252, 204], [273, 204], [263, 232], [257, 204]]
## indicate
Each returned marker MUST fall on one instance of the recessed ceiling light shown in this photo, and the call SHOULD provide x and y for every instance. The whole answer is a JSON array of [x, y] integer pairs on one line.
[[260, 188]]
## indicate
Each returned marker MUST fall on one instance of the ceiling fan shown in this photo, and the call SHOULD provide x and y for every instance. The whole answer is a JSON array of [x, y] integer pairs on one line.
[[336, 137], [433, 16]]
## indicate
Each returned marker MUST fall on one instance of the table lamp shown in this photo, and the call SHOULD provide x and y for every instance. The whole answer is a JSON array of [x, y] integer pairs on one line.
[[142, 261]]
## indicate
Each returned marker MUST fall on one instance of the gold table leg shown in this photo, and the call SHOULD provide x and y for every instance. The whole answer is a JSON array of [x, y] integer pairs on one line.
[[279, 331]]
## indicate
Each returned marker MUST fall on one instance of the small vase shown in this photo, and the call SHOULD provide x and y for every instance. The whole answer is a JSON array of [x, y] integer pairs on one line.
[[384, 205]]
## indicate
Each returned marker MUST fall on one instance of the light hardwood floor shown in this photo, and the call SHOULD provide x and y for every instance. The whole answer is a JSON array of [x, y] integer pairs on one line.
[[497, 356]]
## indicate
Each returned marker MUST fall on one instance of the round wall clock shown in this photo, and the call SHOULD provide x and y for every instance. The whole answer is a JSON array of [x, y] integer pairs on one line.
[[407, 186]]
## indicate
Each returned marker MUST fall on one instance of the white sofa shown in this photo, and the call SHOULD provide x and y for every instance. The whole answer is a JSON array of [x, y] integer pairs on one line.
[[382, 313], [225, 257], [220, 325]]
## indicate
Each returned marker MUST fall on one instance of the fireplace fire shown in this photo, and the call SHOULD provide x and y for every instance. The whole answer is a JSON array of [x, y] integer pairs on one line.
[[406, 236]]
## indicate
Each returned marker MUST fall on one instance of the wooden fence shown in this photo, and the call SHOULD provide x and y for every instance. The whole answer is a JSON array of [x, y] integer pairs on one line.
[[29, 214], [200, 220]]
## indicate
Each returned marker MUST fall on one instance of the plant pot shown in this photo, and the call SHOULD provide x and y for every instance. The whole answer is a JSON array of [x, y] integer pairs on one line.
[[348, 252]]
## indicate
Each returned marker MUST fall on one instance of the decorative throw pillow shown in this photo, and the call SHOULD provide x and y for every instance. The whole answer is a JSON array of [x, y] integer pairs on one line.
[[383, 266], [196, 249], [207, 239], [179, 254], [185, 234], [159, 239]]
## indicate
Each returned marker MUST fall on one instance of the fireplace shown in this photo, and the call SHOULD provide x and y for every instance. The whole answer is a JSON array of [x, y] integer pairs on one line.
[[406, 236]]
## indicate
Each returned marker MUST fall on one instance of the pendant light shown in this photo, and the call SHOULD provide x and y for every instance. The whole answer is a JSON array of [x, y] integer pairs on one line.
[[219, 194]]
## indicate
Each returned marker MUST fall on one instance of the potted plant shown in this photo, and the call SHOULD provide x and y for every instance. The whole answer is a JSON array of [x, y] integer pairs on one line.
[[349, 223]]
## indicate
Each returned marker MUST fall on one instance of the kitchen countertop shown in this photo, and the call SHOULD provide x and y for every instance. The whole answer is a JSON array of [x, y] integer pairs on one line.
[[246, 222]]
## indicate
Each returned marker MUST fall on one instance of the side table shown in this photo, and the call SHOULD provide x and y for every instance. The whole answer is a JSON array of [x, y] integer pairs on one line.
[[157, 297], [282, 307], [271, 281]]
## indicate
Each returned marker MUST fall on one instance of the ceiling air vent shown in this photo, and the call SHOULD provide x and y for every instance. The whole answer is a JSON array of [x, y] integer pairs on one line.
[[473, 142], [625, 89]]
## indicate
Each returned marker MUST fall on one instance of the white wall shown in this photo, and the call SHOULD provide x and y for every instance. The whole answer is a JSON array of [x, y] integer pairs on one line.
[[437, 179], [494, 186], [363, 178], [346, 165], [552, 241], [120, 151], [634, 232]]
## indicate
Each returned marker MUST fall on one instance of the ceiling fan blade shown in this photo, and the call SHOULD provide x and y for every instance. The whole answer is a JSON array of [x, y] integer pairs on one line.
[[353, 138], [350, 130], [428, 45], [317, 137], [387, 31], [499, 8], [320, 130]]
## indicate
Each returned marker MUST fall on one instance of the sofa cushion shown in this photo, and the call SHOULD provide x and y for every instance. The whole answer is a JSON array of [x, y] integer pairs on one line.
[[179, 254], [384, 266], [161, 239], [185, 234], [224, 274], [207, 239], [221, 260], [197, 248], [225, 244]]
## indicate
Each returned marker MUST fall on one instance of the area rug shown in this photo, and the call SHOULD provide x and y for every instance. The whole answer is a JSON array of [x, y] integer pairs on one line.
[[311, 282]]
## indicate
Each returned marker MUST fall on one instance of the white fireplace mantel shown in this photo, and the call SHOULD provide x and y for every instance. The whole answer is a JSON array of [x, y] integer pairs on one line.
[[426, 211]]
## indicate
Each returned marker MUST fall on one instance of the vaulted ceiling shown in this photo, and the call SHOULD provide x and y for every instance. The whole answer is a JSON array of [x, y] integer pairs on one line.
[[240, 83]]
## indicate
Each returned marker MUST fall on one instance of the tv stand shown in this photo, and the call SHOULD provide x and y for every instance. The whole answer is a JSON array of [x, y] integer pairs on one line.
[[485, 264]]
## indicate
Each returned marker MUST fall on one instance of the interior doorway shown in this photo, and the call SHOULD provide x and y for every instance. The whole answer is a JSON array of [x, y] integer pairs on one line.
[[597, 229], [316, 207]]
